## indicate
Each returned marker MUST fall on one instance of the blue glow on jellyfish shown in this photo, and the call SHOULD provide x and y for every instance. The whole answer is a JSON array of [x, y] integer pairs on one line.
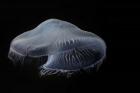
[[58, 48]]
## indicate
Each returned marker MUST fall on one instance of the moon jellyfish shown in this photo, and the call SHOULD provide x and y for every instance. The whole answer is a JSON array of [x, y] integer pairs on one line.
[[58, 47]]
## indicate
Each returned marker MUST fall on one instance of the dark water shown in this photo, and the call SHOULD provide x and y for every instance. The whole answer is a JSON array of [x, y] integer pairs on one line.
[[117, 23]]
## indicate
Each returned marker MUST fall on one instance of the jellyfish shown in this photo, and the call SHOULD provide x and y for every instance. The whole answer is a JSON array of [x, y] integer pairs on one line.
[[58, 47]]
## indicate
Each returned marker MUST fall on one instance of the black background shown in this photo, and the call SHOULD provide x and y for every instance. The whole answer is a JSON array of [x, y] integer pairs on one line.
[[116, 22]]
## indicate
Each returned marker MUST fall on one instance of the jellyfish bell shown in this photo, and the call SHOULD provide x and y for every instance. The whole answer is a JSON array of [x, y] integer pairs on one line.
[[59, 48]]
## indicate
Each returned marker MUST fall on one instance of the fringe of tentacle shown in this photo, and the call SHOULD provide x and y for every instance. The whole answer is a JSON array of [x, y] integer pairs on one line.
[[16, 57], [22, 60], [46, 72]]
